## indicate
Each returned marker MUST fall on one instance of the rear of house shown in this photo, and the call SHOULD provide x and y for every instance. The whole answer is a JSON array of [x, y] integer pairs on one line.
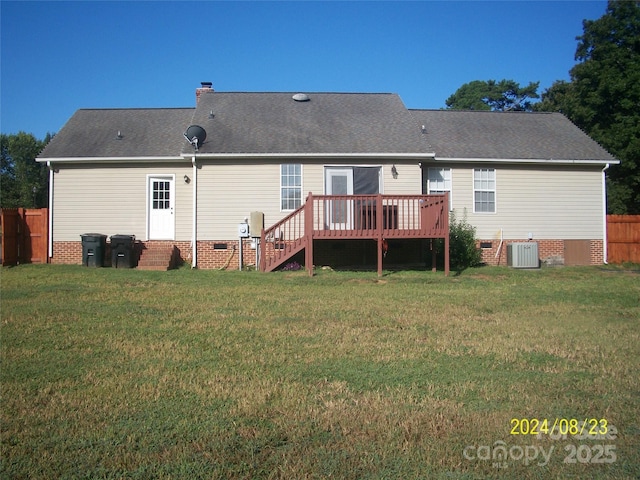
[[130, 171], [521, 177]]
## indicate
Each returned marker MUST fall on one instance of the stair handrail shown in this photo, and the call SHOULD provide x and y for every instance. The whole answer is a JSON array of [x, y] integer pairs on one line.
[[269, 234]]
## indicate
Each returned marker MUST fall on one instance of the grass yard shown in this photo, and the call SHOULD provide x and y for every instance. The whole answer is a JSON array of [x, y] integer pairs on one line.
[[202, 374]]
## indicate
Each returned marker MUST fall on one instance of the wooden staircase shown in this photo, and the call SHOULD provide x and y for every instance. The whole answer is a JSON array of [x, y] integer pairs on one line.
[[283, 240], [157, 257]]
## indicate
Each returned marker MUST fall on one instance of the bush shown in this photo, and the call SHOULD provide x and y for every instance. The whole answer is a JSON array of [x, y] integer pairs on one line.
[[463, 252]]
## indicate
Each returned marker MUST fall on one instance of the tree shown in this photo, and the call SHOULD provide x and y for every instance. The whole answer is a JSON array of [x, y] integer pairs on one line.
[[24, 182], [603, 97], [491, 95]]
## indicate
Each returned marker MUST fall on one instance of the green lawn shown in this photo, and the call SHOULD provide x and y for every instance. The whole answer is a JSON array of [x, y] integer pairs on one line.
[[203, 374]]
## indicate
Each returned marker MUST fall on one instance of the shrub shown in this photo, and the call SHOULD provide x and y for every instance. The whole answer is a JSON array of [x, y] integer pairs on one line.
[[463, 252]]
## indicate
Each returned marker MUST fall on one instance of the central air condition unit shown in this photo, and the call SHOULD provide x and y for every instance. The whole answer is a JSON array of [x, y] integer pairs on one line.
[[523, 255]]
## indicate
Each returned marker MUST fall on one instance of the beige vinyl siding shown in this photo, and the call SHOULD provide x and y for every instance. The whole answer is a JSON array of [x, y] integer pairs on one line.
[[112, 199], [551, 202], [229, 192], [408, 182]]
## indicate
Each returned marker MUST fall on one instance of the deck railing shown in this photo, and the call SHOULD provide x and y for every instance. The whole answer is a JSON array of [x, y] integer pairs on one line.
[[371, 216], [354, 217]]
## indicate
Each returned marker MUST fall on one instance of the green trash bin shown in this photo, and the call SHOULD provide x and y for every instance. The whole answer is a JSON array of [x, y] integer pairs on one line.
[[93, 249], [122, 251]]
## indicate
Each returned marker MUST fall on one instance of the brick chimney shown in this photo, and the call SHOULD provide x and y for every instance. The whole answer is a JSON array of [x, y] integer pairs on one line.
[[205, 87]]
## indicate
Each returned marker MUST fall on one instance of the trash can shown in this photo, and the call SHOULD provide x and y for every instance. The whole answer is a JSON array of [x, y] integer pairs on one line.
[[93, 249], [122, 251]]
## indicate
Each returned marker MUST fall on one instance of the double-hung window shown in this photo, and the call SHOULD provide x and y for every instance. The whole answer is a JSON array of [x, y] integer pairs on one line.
[[290, 186], [439, 181], [484, 190]]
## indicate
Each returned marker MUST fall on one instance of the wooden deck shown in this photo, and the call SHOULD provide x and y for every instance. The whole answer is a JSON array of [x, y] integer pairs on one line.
[[352, 217]]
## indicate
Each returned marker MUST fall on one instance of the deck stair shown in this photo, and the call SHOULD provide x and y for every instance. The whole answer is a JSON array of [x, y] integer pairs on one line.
[[283, 240]]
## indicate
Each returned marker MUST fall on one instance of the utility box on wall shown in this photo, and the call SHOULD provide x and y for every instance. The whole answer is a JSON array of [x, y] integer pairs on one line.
[[523, 255], [256, 223], [243, 230]]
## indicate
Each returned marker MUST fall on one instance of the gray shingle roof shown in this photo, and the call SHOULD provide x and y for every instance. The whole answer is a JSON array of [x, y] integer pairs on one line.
[[507, 135], [146, 132], [327, 123]]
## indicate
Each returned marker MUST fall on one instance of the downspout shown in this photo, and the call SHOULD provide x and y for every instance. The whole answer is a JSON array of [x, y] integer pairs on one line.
[[604, 214], [194, 239], [50, 229]]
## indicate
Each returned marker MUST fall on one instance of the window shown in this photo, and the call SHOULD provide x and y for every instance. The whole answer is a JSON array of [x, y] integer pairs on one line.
[[161, 195], [484, 190], [290, 186], [439, 181]]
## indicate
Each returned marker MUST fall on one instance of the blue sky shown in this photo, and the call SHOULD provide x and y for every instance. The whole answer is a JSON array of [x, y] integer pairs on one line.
[[57, 57]]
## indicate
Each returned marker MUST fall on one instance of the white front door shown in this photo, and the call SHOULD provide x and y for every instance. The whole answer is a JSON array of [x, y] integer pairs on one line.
[[161, 203], [339, 181]]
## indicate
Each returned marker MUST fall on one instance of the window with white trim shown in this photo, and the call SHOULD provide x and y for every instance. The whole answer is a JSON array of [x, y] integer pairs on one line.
[[439, 181], [290, 186], [484, 190]]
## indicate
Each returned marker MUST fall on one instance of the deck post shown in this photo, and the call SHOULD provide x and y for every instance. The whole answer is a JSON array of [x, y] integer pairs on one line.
[[434, 256], [308, 234], [261, 266], [445, 208], [379, 226]]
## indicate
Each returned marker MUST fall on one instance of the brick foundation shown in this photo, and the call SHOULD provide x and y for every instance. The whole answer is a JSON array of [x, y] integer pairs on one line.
[[597, 252], [67, 253], [210, 253], [224, 254], [550, 252], [70, 253]]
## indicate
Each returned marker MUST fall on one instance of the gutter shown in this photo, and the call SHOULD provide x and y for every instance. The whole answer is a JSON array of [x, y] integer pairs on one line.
[[540, 161], [109, 159], [280, 156], [604, 215]]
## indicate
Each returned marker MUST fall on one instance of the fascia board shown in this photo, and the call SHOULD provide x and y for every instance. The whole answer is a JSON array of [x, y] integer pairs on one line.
[[539, 161]]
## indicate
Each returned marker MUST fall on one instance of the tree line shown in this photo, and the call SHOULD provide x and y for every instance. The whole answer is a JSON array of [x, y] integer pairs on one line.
[[602, 96]]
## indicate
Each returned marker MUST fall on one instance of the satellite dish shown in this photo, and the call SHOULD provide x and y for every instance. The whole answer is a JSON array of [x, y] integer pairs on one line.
[[301, 97], [195, 135]]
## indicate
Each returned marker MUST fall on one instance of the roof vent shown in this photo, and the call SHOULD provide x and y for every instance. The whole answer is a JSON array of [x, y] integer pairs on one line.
[[301, 97]]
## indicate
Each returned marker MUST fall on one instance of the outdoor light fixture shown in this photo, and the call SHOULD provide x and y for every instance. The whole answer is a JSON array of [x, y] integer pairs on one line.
[[187, 179], [394, 172]]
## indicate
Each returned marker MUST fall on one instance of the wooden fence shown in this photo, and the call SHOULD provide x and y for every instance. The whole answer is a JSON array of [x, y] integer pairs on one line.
[[24, 235], [623, 238]]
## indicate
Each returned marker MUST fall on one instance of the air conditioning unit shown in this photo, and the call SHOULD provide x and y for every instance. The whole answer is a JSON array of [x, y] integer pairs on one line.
[[523, 255]]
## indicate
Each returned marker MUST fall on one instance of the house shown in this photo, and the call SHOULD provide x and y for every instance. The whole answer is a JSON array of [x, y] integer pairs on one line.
[[518, 176]]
